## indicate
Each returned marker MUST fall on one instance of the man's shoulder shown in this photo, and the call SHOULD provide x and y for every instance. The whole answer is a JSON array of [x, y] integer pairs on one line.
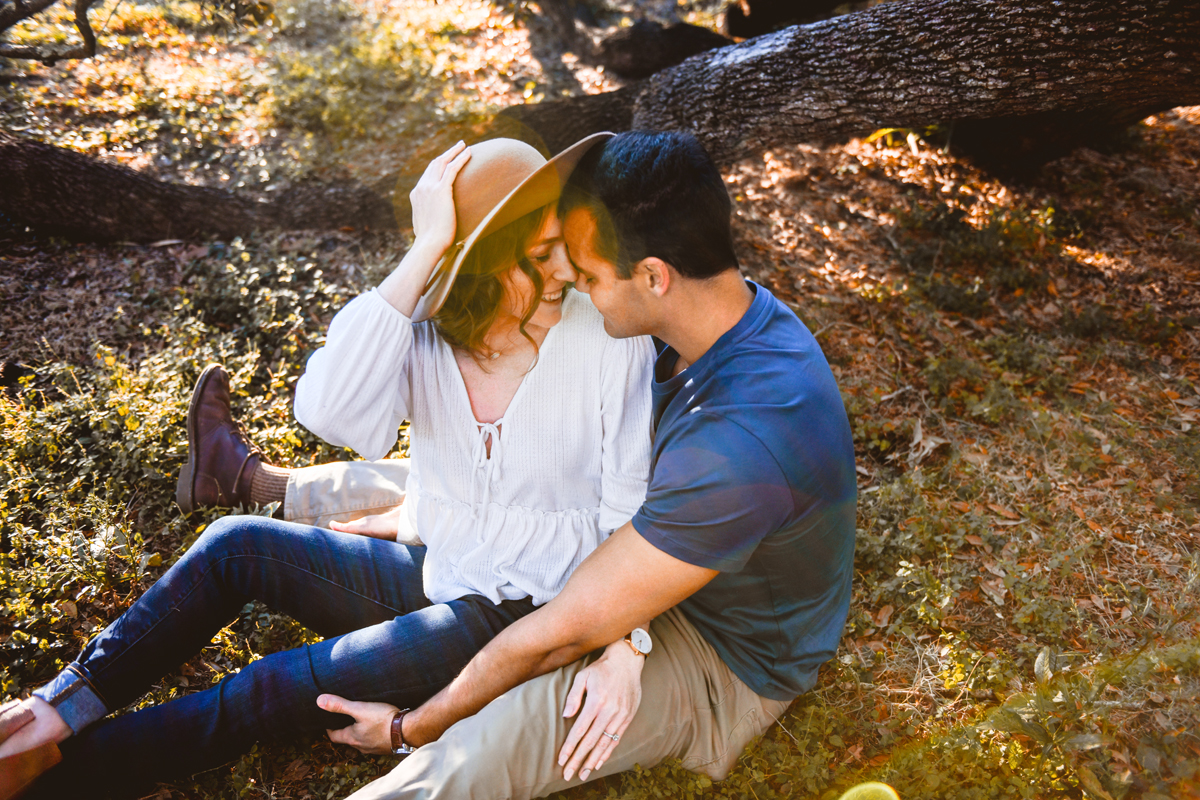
[[723, 432], [773, 394], [772, 374]]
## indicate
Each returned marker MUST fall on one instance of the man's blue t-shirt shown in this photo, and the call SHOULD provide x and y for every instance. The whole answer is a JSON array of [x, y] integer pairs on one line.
[[753, 475]]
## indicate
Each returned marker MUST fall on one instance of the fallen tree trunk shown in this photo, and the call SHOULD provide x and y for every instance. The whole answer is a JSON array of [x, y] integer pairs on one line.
[[909, 63], [1004, 71], [60, 192]]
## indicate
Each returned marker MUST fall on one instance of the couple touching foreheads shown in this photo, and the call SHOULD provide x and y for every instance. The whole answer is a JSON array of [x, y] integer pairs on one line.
[[625, 532]]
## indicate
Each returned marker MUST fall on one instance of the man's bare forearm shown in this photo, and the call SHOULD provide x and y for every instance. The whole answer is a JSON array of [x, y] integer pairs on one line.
[[507, 661], [583, 618]]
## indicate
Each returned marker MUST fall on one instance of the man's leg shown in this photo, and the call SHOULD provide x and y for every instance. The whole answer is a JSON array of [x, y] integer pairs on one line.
[[692, 708]]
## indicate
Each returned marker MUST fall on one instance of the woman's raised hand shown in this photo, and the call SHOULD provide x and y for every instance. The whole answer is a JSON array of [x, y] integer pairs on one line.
[[434, 221], [434, 224]]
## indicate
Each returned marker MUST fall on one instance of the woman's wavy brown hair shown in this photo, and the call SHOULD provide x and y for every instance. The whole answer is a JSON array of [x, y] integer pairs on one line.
[[474, 301]]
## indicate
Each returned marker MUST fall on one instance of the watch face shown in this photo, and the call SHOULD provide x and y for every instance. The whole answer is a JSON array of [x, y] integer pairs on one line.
[[641, 640]]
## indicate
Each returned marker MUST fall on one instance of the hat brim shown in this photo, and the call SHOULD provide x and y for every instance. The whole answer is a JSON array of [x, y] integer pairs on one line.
[[542, 187]]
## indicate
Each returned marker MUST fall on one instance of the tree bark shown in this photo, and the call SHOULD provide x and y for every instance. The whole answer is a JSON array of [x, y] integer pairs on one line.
[[908, 63], [568, 121], [64, 193]]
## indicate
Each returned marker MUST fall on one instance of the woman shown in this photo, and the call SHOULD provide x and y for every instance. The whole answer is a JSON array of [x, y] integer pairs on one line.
[[529, 441]]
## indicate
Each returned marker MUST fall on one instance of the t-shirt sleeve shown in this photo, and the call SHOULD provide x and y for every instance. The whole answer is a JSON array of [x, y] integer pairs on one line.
[[715, 492]]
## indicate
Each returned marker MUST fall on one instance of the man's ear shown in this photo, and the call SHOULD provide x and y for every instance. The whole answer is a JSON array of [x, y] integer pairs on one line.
[[656, 274]]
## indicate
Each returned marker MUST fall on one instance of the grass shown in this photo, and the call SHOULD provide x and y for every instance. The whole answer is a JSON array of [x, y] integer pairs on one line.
[[1018, 362]]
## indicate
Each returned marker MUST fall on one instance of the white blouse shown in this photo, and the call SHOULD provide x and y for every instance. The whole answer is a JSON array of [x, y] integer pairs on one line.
[[569, 459]]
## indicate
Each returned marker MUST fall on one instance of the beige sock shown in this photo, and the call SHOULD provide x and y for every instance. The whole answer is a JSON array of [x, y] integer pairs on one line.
[[268, 484]]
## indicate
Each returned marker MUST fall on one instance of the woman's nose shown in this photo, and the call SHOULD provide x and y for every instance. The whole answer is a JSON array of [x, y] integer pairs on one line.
[[561, 267]]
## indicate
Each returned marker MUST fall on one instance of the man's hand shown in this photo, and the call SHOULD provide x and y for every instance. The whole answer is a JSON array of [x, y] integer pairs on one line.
[[372, 729], [613, 686], [377, 526]]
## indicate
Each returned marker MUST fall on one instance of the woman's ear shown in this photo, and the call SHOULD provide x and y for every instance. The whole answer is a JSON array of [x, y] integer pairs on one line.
[[655, 273]]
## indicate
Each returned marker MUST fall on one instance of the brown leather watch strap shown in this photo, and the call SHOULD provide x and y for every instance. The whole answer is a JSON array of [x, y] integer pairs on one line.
[[399, 746]]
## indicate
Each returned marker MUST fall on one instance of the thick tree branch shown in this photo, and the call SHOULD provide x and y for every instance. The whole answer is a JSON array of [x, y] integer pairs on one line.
[[916, 62], [65, 193], [1038, 66], [84, 27], [908, 63]]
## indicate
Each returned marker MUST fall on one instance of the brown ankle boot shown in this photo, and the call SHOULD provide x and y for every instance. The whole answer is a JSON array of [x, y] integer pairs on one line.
[[221, 460]]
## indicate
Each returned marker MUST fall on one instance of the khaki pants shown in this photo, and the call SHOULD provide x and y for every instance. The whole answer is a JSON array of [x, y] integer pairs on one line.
[[693, 708], [344, 491]]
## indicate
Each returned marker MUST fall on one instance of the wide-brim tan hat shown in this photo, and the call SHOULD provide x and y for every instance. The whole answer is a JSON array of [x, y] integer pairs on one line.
[[504, 180]]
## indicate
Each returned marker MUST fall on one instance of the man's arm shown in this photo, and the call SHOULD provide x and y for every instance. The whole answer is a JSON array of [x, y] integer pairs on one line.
[[624, 582]]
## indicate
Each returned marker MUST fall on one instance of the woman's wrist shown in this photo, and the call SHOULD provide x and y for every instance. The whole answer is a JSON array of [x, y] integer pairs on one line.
[[404, 286], [622, 652], [428, 250], [419, 262]]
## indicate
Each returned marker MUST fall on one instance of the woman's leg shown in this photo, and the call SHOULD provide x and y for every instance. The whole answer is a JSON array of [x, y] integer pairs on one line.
[[330, 582], [224, 468], [403, 661]]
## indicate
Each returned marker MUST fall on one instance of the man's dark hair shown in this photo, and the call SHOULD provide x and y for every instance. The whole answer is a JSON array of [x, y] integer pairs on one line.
[[654, 194]]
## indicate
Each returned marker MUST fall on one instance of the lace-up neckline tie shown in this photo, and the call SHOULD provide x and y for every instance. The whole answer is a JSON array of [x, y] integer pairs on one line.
[[490, 467]]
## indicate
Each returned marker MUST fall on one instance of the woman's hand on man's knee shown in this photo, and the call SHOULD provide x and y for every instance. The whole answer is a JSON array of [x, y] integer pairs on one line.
[[605, 695], [377, 526], [372, 728]]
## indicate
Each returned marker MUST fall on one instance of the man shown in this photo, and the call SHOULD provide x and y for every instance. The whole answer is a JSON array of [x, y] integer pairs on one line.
[[741, 554]]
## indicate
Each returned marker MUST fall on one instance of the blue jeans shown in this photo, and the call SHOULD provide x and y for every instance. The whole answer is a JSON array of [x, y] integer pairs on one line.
[[385, 641]]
